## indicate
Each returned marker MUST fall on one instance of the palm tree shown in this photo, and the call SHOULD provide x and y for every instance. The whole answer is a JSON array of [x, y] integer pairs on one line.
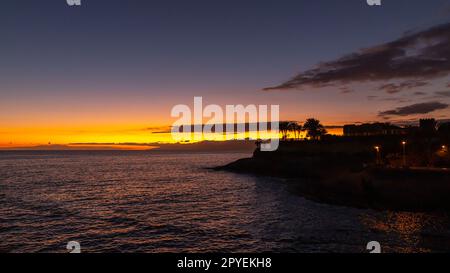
[[314, 128], [287, 127], [296, 129], [284, 129]]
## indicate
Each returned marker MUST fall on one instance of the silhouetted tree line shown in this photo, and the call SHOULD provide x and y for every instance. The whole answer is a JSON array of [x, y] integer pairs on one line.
[[313, 128]]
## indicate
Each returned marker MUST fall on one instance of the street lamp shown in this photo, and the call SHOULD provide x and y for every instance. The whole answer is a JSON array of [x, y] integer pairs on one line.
[[404, 153], [377, 148], [445, 150]]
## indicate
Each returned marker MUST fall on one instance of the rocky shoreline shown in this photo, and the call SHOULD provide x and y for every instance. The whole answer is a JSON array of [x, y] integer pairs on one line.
[[345, 180]]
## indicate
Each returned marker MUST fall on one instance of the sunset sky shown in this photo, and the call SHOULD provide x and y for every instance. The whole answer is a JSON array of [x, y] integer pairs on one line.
[[111, 71]]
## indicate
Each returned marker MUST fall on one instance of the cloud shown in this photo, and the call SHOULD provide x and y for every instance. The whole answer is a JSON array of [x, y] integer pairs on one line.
[[419, 108], [390, 99], [162, 132], [248, 127], [345, 90], [157, 128], [420, 56], [393, 88], [397, 100], [443, 93]]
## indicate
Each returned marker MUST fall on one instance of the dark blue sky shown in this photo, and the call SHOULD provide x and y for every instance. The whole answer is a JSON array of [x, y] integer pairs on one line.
[[164, 52]]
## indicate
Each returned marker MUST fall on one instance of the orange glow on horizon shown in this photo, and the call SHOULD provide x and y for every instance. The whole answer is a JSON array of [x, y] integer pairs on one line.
[[120, 137]]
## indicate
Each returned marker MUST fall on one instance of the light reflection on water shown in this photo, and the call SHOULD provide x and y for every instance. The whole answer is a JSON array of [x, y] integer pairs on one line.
[[144, 202]]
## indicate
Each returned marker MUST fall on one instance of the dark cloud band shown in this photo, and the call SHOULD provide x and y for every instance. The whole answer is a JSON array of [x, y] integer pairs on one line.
[[414, 59], [419, 108]]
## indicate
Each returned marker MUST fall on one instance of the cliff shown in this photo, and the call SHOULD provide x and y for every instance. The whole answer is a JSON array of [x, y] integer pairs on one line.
[[333, 176]]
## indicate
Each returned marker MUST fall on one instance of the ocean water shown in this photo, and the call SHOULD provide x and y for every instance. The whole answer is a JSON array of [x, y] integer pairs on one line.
[[155, 202]]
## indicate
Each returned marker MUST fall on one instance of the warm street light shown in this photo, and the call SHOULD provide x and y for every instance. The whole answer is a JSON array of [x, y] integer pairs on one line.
[[404, 153], [445, 151], [377, 148]]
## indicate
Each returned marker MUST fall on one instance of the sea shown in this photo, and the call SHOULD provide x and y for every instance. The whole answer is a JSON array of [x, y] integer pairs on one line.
[[156, 202]]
